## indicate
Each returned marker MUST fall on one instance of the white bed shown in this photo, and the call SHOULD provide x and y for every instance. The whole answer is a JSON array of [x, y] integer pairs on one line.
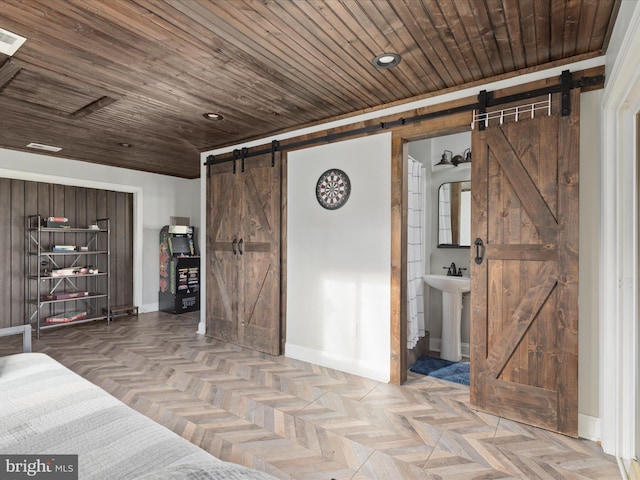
[[45, 408]]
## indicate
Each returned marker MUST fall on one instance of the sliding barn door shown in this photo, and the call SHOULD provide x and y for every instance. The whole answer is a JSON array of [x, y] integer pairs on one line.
[[223, 224], [243, 253], [259, 321], [524, 293]]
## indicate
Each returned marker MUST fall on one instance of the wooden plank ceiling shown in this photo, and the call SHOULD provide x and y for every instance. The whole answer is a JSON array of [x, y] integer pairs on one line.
[[96, 74]]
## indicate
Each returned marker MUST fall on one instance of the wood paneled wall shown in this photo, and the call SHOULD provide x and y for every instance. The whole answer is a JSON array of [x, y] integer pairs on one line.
[[82, 206]]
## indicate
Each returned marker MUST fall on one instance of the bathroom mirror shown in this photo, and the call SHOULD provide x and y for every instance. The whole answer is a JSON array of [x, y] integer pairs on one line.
[[454, 215]]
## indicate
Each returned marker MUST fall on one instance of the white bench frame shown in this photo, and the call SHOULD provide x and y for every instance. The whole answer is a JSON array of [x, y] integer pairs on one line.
[[25, 330]]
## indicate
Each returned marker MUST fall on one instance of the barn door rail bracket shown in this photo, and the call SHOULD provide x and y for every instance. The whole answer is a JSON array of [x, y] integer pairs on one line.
[[243, 155], [236, 155], [275, 146], [565, 90], [485, 101]]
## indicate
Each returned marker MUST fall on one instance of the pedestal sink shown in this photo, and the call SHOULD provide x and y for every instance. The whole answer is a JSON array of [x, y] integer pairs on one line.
[[452, 289]]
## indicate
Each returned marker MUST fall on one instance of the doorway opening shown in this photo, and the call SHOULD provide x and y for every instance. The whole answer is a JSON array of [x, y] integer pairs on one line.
[[438, 238]]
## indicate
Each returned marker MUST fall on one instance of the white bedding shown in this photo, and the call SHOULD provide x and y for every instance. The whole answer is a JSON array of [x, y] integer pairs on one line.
[[46, 408]]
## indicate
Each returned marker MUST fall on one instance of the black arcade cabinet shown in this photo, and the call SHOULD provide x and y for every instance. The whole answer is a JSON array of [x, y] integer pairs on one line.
[[179, 270]]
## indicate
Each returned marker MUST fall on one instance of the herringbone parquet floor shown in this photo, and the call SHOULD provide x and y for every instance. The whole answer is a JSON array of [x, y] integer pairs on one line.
[[301, 421]]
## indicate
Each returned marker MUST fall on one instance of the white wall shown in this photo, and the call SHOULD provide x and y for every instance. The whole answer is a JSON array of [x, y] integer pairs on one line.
[[339, 261], [589, 252], [156, 198]]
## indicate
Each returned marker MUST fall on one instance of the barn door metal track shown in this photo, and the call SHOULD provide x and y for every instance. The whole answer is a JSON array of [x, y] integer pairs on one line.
[[485, 101]]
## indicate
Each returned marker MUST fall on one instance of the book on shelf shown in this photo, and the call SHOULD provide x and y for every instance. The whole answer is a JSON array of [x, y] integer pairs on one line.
[[66, 317], [65, 295], [56, 222], [64, 248], [61, 272]]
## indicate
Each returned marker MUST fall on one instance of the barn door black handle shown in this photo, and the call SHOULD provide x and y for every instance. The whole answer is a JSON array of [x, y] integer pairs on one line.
[[233, 245], [240, 243], [479, 250]]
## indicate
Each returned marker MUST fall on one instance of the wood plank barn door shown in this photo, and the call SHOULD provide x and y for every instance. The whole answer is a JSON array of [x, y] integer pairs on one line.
[[223, 199], [259, 253], [524, 293], [243, 251]]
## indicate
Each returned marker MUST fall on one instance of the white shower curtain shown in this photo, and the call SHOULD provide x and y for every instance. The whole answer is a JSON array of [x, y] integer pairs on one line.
[[415, 252]]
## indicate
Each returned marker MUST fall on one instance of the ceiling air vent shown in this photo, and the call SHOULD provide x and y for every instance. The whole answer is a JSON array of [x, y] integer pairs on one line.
[[48, 148], [10, 42]]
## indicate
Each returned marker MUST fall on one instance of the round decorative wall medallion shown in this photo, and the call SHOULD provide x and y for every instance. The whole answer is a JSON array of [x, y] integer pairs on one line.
[[333, 189]]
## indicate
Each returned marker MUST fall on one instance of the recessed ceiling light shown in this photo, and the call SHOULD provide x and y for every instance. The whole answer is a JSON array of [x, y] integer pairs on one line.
[[386, 60], [212, 116], [48, 148], [10, 42]]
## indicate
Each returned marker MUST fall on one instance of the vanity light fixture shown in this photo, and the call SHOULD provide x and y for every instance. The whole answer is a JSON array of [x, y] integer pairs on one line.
[[212, 116], [460, 159], [444, 161], [386, 60], [467, 156]]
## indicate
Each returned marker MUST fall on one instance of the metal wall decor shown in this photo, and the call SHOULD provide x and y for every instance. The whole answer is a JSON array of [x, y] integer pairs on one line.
[[333, 189]]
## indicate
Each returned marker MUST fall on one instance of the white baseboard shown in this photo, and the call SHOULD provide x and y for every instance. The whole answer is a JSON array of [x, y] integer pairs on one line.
[[434, 346], [150, 307], [335, 361], [202, 328], [589, 427]]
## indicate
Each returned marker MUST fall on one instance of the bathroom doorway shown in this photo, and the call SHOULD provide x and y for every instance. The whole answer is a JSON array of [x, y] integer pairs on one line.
[[438, 237]]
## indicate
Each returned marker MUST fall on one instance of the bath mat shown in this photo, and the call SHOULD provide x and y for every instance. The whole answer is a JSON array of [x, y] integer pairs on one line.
[[457, 372]]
